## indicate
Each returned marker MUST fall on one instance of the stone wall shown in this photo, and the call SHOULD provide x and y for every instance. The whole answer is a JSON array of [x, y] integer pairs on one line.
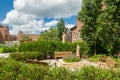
[[76, 31], [32, 37], [4, 34]]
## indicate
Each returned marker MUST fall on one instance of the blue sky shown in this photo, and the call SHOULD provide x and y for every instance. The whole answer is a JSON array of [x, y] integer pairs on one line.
[[23, 15], [5, 7]]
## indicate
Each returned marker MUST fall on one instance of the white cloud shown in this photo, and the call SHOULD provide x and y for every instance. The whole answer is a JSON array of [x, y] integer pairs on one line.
[[52, 23], [17, 18], [29, 28], [23, 16], [69, 26], [48, 8]]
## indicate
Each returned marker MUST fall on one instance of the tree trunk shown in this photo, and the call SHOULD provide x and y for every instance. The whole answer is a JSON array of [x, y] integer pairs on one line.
[[95, 47]]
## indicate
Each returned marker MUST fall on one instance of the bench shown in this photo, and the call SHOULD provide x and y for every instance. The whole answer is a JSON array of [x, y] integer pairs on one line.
[[62, 54]]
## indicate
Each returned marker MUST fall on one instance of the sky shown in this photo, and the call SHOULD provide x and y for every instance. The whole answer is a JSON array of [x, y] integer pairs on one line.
[[34, 16]]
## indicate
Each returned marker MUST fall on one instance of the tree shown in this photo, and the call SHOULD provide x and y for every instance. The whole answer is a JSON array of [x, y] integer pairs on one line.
[[91, 9], [51, 34], [25, 38], [109, 24], [101, 28], [61, 28]]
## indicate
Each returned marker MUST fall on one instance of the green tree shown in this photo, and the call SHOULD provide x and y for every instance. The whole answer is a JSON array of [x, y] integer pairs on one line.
[[109, 26], [91, 9], [101, 28], [51, 34], [25, 38], [61, 28]]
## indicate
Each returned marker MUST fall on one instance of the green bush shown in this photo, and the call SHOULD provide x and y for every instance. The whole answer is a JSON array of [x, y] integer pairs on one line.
[[49, 47], [9, 49], [2, 46], [71, 58], [59, 74], [92, 73], [27, 55], [14, 70], [1, 50], [97, 57]]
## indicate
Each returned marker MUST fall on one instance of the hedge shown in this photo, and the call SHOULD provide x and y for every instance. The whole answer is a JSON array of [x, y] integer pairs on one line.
[[49, 47], [23, 56], [13, 70]]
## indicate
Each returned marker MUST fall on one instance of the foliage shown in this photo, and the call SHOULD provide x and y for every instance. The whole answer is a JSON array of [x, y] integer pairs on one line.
[[88, 15], [109, 26], [97, 57], [92, 73], [25, 38], [49, 47], [59, 74], [27, 55], [71, 58], [54, 33], [9, 49], [1, 50], [51, 34], [13, 70], [101, 28], [2, 45], [117, 62], [61, 28]]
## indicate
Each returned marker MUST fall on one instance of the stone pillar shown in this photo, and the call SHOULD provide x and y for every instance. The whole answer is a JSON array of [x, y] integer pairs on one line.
[[63, 37], [78, 51]]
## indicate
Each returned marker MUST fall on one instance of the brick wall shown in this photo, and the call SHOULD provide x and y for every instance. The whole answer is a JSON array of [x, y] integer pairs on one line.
[[4, 34], [76, 31], [32, 37]]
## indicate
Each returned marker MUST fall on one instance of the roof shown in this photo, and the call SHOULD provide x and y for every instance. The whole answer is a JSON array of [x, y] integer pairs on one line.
[[73, 27]]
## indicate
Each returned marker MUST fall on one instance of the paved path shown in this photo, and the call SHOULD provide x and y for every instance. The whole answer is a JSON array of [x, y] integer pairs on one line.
[[4, 55]]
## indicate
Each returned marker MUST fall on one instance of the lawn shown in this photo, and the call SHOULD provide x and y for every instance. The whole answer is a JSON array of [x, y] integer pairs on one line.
[[1, 50]]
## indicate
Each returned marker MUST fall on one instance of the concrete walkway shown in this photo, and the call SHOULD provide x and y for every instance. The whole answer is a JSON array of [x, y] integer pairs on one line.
[[75, 65], [4, 55]]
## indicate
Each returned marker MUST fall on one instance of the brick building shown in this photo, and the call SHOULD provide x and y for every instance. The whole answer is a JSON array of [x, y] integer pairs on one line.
[[67, 37], [5, 36], [73, 34], [27, 37], [75, 31]]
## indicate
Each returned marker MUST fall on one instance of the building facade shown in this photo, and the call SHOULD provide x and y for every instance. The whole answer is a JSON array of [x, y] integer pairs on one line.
[[67, 37], [27, 37], [5, 36], [75, 31]]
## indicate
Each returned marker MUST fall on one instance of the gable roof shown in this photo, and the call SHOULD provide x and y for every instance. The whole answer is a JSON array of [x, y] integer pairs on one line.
[[73, 27]]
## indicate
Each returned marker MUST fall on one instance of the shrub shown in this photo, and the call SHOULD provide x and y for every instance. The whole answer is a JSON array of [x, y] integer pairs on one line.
[[14, 70], [92, 73], [27, 55], [2, 46], [1, 50], [59, 74], [96, 58], [9, 49], [71, 58], [49, 47]]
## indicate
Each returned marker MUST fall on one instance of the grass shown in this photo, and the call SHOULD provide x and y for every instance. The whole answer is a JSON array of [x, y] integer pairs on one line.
[[1, 50], [71, 58], [96, 58]]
